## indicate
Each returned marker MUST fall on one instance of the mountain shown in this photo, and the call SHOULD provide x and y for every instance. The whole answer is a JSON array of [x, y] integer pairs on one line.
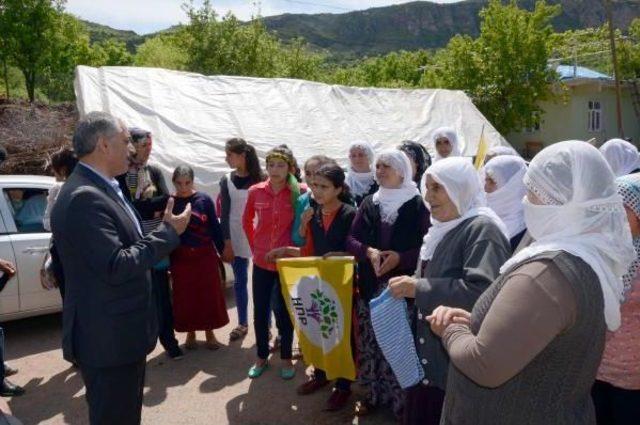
[[99, 32], [423, 24], [409, 26]]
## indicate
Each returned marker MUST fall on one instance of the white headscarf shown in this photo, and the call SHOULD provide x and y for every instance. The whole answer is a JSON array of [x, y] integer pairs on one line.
[[460, 180], [629, 189], [449, 134], [621, 155], [502, 150], [390, 200], [582, 214], [506, 201], [360, 183]]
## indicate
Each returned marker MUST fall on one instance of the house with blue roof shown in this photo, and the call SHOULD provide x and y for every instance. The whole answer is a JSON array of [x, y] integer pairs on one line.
[[587, 111]]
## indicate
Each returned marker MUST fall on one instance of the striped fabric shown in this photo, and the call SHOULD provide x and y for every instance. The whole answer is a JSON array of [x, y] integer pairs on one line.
[[132, 183], [391, 326]]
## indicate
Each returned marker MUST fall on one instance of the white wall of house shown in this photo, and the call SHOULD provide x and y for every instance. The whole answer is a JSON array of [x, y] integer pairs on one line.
[[570, 120]]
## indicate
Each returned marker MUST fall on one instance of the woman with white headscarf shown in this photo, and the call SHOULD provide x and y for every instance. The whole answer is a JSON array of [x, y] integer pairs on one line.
[[616, 392], [496, 151], [505, 189], [360, 177], [386, 235], [622, 156], [460, 257], [446, 143], [529, 351]]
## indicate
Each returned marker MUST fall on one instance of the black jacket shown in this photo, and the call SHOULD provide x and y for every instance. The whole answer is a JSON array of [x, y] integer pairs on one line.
[[109, 317]]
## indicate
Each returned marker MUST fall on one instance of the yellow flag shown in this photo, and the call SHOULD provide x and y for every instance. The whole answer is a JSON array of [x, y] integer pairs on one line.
[[318, 294], [481, 154]]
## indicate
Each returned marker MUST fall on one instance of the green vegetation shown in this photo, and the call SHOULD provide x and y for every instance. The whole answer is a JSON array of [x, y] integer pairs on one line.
[[503, 65]]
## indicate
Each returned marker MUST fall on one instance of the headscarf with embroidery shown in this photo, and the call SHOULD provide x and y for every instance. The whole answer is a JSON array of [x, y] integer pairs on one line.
[[629, 189]]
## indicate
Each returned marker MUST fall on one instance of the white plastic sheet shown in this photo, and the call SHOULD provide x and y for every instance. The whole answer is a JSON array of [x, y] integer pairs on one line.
[[191, 115]]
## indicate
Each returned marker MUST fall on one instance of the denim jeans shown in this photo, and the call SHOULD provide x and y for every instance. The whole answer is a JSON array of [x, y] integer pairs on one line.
[[240, 272], [264, 282]]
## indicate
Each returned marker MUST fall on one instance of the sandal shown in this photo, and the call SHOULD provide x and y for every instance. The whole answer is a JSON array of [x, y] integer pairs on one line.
[[240, 331]]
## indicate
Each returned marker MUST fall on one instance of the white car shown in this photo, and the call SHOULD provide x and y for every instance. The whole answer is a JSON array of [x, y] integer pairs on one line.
[[25, 242]]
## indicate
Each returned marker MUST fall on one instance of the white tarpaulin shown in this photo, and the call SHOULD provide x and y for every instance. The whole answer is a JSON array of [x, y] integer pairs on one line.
[[191, 115]]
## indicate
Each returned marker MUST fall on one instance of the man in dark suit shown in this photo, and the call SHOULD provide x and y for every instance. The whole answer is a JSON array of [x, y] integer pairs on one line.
[[109, 317]]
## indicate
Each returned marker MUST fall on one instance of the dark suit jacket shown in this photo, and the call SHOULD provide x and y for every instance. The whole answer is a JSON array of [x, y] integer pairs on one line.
[[108, 316]]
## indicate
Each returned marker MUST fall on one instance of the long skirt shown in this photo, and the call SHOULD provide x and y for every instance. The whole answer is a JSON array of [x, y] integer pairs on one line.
[[374, 372], [198, 300]]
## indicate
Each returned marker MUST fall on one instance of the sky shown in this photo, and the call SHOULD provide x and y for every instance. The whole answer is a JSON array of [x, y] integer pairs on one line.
[[146, 16]]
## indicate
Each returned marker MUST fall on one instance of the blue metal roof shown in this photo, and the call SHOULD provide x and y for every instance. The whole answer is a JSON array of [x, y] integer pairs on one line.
[[570, 72]]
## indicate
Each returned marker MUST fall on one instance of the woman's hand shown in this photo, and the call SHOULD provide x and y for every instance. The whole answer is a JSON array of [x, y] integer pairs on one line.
[[305, 218], [282, 252], [375, 258], [390, 260], [403, 286], [444, 316], [228, 254]]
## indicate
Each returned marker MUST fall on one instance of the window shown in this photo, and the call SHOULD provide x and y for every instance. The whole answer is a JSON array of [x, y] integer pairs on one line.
[[27, 207], [594, 122], [535, 123]]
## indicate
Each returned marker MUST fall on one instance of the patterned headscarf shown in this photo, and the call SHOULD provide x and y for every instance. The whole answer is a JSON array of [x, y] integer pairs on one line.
[[629, 189], [420, 156]]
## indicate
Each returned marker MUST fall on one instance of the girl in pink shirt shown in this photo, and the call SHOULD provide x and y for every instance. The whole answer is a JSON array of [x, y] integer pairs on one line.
[[271, 202]]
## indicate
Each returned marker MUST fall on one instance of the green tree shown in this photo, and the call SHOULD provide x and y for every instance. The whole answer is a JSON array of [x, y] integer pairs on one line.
[[227, 46], [505, 70], [69, 47], [30, 29], [162, 51], [297, 62], [394, 70], [111, 53]]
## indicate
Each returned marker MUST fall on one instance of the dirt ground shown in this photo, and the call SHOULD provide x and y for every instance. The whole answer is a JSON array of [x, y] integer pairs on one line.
[[205, 387]]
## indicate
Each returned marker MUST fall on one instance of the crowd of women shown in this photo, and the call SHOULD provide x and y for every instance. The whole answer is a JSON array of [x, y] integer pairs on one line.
[[520, 277]]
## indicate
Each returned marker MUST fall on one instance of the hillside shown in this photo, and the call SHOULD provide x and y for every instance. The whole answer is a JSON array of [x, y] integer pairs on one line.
[[424, 25], [408, 26]]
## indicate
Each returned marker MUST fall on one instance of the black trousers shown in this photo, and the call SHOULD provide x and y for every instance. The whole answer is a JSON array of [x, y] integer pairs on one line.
[[615, 406], [114, 394], [164, 310], [264, 283]]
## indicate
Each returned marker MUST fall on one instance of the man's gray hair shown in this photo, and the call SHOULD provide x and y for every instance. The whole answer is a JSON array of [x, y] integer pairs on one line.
[[90, 128]]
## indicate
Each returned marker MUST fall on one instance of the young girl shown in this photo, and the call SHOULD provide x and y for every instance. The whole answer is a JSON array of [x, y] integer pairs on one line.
[[305, 200], [234, 189], [198, 300], [272, 203], [326, 232]]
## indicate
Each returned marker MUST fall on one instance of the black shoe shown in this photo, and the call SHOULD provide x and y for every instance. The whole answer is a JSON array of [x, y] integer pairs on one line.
[[175, 353], [9, 371], [10, 390]]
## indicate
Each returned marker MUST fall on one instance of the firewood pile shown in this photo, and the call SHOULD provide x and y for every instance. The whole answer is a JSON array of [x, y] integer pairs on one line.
[[30, 133]]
